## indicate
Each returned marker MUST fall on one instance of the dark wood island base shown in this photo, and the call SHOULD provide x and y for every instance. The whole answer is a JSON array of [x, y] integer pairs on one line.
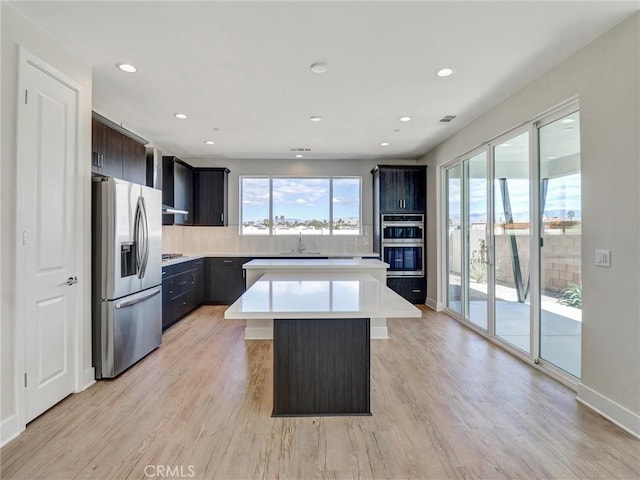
[[321, 367]]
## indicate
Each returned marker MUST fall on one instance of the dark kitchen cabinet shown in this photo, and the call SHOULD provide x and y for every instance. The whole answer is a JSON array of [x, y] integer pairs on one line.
[[134, 161], [106, 146], [182, 290], [402, 189], [177, 191], [224, 279], [410, 288], [115, 154], [210, 196]]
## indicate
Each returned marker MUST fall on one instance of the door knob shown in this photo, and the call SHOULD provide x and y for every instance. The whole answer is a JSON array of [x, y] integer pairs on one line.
[[72, 280]]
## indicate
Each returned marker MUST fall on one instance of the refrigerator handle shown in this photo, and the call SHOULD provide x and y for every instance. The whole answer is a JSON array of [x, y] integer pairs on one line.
[[137, 238], [144, 223], [138, 299]]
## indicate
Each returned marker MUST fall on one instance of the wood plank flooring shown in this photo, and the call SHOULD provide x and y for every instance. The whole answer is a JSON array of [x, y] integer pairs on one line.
[[445, 403]]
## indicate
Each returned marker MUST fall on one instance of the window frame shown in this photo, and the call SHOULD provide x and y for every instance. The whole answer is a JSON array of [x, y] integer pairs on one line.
[[271, 229]]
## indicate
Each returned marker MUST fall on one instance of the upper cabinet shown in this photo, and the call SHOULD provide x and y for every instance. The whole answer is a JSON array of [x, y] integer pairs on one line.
[[400, 189], [116, 154], [177, 191], [200, 191], [210, 196]]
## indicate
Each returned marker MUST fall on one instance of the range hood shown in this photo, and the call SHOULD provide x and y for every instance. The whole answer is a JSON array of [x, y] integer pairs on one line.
[[154, 177], [166, 210]]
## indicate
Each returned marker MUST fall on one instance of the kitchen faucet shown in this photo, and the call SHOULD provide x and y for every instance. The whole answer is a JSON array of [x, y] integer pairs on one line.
[[301, 247]]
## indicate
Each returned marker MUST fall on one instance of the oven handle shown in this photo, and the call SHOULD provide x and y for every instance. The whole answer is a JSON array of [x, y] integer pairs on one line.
[[403, 224], [396, 243]]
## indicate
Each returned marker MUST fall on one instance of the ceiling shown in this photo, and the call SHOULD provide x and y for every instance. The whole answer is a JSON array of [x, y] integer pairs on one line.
[[241, 70]]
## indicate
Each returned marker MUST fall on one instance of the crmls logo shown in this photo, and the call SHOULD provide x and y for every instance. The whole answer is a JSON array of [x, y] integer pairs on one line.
[[170, 471]]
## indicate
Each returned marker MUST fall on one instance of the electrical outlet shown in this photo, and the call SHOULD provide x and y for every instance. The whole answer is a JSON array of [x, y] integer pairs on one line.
[[603, 258]]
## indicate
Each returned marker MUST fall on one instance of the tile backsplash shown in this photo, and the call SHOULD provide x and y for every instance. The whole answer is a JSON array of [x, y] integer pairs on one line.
[[207, 240]]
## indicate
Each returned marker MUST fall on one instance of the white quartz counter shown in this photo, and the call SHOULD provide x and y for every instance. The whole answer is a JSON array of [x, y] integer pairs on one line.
[[282, 255], [319, 295], [317, 264]]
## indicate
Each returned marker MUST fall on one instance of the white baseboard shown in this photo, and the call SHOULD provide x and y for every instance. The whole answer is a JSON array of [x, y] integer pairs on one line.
[[621, 416], [379, 333], [8, 429], [433, 305], [88, 379], [258, 333]]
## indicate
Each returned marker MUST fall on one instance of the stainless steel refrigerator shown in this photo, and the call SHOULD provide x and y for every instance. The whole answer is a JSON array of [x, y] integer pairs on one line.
[[127, 274]]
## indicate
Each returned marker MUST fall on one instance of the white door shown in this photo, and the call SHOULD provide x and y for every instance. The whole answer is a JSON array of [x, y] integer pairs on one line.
[[47, 176]]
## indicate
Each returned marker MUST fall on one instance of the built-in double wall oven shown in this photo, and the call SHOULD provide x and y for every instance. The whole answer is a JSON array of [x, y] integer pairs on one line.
[[403, 244]]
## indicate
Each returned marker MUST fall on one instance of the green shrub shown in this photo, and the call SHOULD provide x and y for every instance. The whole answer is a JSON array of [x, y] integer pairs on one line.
[[571, 296], [477, 267]]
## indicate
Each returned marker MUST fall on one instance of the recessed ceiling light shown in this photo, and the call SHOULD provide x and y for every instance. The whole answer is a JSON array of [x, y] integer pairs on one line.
[[567, 120], [551, 157], [318, 67], [445, 72], [405, 119], [209, 142], [315, 119], [504, 145], [181, 116], [384, 144], [298, 156], [125, 67]]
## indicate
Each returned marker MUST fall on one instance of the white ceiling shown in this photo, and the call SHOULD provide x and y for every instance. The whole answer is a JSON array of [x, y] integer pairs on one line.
[[243, 68]]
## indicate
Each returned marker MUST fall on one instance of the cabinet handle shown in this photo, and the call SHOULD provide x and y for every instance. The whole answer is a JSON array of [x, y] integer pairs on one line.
[[416, 290], [227, 261], [222, 217], [101, 160]]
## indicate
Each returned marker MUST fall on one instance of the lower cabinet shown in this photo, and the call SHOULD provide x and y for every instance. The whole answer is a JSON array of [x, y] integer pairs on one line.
[[182, 290], [412, 289], [225, 280]]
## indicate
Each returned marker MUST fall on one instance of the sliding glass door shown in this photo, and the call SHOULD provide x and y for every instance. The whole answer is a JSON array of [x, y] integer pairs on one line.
[[476, 244], [453, 215], [560, 254], [513, 240]]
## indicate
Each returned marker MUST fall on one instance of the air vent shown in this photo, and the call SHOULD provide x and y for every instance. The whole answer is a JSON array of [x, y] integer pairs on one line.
[[300, 149], [446, 119]]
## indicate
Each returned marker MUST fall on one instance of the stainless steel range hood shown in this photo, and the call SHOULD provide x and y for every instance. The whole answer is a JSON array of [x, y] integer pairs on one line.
[[154, 178]]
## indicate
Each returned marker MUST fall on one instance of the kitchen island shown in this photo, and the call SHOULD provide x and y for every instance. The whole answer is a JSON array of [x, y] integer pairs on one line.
[[321, 336], [262, 329]]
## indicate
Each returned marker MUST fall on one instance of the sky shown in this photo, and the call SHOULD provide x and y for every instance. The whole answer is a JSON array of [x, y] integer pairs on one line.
[[300, 198], [563, 195]]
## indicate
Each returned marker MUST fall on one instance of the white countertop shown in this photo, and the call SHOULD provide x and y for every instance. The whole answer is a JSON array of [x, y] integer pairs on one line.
[[292, 264], [288, 254], [275, 256], [301, 295]]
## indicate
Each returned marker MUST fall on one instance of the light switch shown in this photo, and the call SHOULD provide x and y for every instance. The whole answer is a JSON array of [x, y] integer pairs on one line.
[[603, 258]]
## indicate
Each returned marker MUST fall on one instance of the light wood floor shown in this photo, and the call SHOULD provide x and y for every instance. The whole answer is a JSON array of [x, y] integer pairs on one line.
[[446, 404]]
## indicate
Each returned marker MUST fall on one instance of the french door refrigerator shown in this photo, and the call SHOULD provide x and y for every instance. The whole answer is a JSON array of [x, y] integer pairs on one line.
[[127, 274]]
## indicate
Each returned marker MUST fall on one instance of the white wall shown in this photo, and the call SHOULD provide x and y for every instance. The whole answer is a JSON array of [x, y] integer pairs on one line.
[[17, 31], [605, 76], [196, 240]]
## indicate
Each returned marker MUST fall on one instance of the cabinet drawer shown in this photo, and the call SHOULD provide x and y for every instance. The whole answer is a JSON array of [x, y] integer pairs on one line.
[[178, 284], [177, 268], [411, 289], [227, 261]]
